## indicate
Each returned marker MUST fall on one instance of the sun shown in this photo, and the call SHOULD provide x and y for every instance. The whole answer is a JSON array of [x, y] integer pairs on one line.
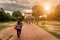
[[47, 7]]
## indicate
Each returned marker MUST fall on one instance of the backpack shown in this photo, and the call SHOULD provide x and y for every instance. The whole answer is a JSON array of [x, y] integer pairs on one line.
[[15, 27]]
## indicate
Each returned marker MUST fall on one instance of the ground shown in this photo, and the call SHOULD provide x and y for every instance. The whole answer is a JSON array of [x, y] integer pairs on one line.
[[6, 30], [29, 32], [33, 32], [52, 27]]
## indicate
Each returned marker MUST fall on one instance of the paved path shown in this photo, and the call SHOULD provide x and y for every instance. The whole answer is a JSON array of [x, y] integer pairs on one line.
[[33, 32], [6, 33]]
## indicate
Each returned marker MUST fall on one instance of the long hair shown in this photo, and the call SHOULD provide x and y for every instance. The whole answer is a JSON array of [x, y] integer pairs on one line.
[[18, 22]]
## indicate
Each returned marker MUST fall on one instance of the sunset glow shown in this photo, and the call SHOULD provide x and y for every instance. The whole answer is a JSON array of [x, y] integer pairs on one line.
[[47, 7]]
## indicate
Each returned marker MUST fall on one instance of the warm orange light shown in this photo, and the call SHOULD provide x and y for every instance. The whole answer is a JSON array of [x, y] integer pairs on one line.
[[47, 7]]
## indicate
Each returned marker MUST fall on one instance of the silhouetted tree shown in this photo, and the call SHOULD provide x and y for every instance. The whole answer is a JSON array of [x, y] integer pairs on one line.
[[37, 11], [17, 15], [57, 13]]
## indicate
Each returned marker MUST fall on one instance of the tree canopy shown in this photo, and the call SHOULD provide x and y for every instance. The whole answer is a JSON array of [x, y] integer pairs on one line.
[[17, 15], [7, 17], [37, 11], [55, 15]]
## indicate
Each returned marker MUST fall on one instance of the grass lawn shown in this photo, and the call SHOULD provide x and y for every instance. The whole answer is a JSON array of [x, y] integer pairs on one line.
[[53, 24], [6, 24], [55, 34], [56, 24], [2, 27]]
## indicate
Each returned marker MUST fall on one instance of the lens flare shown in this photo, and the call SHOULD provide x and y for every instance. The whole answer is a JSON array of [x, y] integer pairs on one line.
[[47, 7]]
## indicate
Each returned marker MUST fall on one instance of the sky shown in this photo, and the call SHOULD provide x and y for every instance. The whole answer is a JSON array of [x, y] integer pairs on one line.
[[11, 5]]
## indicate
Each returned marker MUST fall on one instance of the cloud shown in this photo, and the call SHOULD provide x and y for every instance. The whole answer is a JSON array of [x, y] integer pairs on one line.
[[24, 4], [13, 6]]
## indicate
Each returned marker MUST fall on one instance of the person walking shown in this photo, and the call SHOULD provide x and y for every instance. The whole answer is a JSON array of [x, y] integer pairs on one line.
[[18, 28]]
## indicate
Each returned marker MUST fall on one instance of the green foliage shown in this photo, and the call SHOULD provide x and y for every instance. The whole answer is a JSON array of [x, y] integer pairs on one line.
[[3, 16], [17, 15], [7, 17], [2, 27], [55, 34]]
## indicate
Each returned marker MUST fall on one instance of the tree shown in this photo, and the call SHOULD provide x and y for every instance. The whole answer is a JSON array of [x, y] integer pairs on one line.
[[57, 13], [2, 15], [37, 11], [17, 15], [8, 16]]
